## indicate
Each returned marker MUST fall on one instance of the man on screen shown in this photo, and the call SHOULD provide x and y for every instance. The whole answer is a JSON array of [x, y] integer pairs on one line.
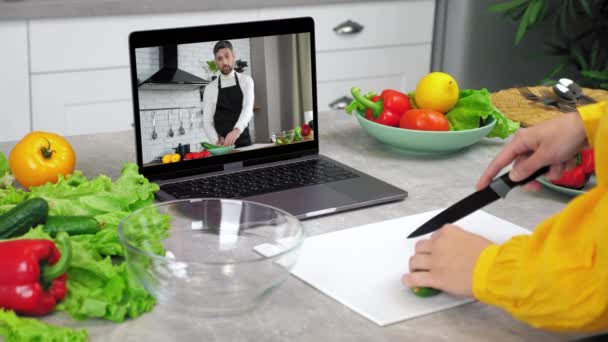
[[228, 101]]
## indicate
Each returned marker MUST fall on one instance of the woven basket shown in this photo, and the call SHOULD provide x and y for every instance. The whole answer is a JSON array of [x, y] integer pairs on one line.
[[529, 113]]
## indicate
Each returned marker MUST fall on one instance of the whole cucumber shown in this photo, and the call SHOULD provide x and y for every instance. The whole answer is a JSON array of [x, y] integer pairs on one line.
[[21, 218], [209, 146], [73, 225]]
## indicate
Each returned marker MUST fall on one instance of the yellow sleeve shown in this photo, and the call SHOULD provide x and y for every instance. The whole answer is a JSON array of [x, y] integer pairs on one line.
[[557, 278], [591, 115]]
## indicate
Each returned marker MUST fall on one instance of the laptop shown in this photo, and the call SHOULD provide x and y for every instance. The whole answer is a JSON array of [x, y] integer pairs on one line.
[[192, 87]]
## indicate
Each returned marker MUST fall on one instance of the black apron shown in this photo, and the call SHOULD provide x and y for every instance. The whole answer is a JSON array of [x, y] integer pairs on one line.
[[228, 110]]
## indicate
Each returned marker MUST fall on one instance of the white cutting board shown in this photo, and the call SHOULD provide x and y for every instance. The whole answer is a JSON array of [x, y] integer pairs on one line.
[[362, 267]]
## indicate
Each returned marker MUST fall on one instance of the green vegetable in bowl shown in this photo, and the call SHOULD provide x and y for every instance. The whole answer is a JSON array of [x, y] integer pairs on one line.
[[209, 146], [297, 134], [475, 106], [356, 106]]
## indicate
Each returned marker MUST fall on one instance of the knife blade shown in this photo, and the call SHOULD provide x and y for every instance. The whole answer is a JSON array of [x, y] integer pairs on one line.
[[477, 200]]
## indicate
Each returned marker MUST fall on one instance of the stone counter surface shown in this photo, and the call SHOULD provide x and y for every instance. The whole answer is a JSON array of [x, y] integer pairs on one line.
[[36, 9], [298, 312]]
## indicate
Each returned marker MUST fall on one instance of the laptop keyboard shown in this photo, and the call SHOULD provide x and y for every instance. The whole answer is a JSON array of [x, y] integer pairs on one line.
[[260, 181]]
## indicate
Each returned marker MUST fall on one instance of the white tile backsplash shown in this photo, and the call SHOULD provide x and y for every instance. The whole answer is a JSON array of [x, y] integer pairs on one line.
[[147, 62], [163, 144]]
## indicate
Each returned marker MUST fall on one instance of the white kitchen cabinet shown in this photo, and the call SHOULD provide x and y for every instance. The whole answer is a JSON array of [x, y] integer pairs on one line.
[[382, 23], [83, 102], [79, 68], [397, 67], [388, 45], [14, 81], [411, 60], [335, 95], [59, 45]]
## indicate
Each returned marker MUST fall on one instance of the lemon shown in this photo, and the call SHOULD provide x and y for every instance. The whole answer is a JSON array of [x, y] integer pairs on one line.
[[437, 91], [166, 159]]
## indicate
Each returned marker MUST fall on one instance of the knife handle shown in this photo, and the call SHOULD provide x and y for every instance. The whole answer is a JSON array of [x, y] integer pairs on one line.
[[505, 178]]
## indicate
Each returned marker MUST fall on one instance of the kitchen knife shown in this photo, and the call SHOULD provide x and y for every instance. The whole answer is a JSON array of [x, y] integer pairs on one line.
[[497, 189]]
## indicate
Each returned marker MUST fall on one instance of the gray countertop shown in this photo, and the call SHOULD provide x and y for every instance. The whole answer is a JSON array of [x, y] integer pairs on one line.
[[35, 9], [298, 312]]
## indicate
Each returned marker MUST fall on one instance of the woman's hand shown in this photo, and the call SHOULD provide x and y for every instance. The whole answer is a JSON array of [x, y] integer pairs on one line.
[[554, 143], [446, 261], [231, 137]]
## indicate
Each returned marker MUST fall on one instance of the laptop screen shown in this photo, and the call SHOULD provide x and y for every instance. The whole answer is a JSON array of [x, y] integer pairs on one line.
[[247, 93]]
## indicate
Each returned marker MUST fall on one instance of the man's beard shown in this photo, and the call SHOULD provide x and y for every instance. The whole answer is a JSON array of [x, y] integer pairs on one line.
[[227, 69]]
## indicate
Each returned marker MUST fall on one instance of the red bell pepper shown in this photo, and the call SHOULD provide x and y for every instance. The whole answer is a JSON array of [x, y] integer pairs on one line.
[[588, 161], [575, 178], [385, 109], [197, 155], [32, 276]]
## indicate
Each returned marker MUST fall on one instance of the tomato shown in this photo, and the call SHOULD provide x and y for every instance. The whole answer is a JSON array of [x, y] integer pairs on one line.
[[424, 119], [40, 157]]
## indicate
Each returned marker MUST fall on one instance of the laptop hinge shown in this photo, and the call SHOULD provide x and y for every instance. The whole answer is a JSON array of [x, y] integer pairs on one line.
[[233, 166]]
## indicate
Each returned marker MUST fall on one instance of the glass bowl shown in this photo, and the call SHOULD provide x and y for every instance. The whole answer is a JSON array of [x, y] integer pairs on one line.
[[210, 256], [283, 138]]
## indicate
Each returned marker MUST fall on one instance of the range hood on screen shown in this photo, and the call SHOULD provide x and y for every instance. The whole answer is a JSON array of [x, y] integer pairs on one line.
[[170, 77]]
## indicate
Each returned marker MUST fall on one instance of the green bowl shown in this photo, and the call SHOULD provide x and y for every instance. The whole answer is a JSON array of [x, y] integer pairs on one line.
[[565, 190], [220, 150], [419, 142]]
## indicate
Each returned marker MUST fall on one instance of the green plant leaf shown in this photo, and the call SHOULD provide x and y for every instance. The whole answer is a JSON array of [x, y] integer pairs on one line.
[[595, 50], [595, 75], [557, 50], [585, 5], [572, 9], [547, 82], [515, 13], [544, 12], [604, 86], [505, 6], [563, 22], [537, 7], [556, 70], [523, 24], [576, 52], [212, 66]]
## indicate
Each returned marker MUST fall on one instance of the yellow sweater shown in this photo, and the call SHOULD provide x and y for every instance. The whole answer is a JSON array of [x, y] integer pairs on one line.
[[557, 278]]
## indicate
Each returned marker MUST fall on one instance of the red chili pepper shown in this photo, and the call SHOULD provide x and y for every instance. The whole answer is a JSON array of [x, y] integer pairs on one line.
[[575, 178], [588, 161], [32, 276], [385, 109]]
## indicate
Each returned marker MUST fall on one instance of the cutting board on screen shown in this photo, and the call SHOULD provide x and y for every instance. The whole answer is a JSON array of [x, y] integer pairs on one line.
[[362, 267]]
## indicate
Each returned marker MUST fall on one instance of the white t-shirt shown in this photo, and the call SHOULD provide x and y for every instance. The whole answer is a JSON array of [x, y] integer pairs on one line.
[[210, 101]]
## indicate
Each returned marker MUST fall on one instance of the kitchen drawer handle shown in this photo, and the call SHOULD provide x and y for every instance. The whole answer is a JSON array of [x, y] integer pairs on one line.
[[348, 28], [341, 103]]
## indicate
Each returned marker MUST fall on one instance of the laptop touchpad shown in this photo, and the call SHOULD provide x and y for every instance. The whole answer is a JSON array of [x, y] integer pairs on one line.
[[304, 200]]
